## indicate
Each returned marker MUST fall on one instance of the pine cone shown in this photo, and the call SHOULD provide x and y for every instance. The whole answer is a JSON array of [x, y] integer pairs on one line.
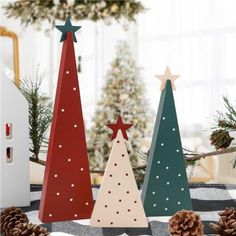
[[185, 223], [29, 230], [220, 139], [10, 217], [227, 223]]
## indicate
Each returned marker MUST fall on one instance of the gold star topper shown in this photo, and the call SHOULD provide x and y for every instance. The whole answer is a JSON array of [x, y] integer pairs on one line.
[[167, 76]]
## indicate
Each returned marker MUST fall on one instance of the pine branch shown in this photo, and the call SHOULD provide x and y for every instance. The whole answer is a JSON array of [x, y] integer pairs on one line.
[[227, 120], [214, 153], [194, 157], [40, 113], [41, 162]]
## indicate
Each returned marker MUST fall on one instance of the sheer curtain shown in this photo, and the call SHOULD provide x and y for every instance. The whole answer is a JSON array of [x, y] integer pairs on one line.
[[197, 39]]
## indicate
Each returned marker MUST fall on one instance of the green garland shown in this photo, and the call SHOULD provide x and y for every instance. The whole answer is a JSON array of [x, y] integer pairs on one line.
[[34, 12]]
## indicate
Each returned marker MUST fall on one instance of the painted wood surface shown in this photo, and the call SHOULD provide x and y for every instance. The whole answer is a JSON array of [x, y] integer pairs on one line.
[[165, 189], [67, 193], [118, 203]]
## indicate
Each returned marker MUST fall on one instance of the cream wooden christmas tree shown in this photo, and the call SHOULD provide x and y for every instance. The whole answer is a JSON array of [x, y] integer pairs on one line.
[[118, 203]]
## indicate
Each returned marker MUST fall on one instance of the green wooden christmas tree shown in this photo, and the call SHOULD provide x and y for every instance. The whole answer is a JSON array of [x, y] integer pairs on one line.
[[165, 189]]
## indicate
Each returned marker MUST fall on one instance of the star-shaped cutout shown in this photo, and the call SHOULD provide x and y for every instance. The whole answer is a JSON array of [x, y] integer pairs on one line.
[[167, 76], [119, 125], [68, 27]]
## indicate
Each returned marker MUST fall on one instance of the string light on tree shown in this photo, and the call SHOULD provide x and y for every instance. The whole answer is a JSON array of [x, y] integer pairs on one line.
[[123, 94]]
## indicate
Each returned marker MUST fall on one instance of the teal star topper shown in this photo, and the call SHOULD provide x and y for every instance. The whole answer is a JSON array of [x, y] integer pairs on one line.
[[68, 27]]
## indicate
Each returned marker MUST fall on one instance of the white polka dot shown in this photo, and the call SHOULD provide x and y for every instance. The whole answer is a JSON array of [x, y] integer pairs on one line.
[[182, 189], [60, 146], [162, 144], [58, 193], [75, 215], [75, 126], [69, 160], [62, 110], [167, 199], [173, 129], [67, 72], [50, 215], [168, 183], [177, 150], [157, 177], [82, 169], [158, 162], [72, 185], [74, 88], [55, 176], [154, 205], [179, 175], [86, 203], [153, 193], [163, 118], [166, 209], [71, 199], [179, 203], [167, 167]]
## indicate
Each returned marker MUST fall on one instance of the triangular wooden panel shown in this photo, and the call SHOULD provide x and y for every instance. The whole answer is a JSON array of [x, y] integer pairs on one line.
[[67, 193], [118, 203], [165, 189]]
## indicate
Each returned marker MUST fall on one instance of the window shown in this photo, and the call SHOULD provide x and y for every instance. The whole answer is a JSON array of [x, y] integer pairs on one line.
[[197, 40]]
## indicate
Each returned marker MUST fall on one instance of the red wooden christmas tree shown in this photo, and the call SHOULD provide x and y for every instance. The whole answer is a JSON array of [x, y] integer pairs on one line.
[[67, 193]]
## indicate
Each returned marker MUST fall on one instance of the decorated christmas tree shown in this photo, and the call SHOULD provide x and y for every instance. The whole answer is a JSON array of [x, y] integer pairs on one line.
[[165, 189], [118, 202], [122, 94], [67, 193]]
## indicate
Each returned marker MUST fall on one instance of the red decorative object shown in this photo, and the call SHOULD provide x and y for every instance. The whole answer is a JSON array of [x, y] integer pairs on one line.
[[119, 125], [8, 130], [67, 192]]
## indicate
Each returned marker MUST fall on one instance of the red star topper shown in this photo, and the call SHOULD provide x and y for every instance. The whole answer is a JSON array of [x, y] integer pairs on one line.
[[119, 125]]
